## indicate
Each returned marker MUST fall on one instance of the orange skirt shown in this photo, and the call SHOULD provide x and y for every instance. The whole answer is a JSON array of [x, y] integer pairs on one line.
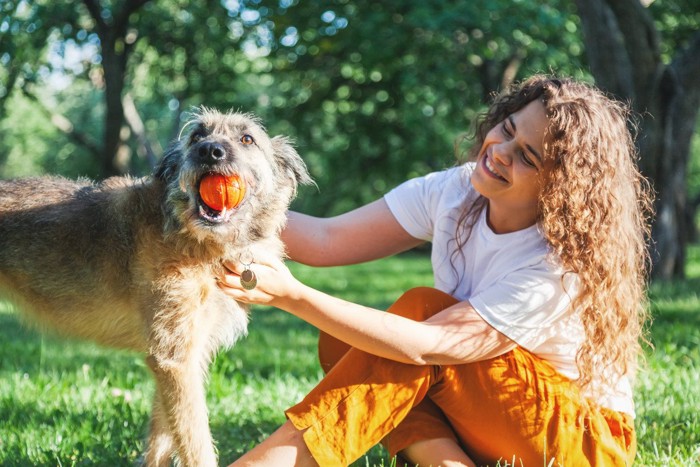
[[514, 408]]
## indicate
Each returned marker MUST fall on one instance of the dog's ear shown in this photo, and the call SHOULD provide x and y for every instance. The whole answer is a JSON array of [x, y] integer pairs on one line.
[[169, 165], [289, 160]]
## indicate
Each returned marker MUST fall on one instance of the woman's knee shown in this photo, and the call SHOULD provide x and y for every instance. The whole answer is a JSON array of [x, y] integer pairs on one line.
[[421, 303], [418, 304]]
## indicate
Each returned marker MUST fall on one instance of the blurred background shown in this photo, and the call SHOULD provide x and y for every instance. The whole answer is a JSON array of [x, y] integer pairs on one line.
[[372, 92]]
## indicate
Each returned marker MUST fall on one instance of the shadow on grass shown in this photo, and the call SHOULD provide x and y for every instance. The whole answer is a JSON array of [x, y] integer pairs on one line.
[[236, 437], [26, 350], [275, 339], [675, 310], [680, 291], [57, 401]]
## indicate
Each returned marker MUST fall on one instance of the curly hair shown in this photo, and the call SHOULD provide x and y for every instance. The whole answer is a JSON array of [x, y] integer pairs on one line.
[[594, 212]]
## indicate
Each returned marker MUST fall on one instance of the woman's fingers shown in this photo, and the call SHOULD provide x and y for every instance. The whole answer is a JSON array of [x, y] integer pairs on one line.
[[237, 267], [258, 282]]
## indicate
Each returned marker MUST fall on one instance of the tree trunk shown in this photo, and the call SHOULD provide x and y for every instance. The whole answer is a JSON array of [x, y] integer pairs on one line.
[[683, 112], [115, 50], [622, 46]]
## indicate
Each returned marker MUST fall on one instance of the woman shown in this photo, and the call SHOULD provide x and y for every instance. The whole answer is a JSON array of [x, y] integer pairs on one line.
[[526, 350]]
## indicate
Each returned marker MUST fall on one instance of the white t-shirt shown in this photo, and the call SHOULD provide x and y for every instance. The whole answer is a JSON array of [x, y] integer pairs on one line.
[[511, 280]]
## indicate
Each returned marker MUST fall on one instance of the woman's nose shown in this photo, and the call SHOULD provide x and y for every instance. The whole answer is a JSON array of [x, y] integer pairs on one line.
[[503, 153]]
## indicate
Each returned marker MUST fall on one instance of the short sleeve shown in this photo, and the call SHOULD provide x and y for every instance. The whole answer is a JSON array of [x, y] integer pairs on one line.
[[415, 202], [525, 304]]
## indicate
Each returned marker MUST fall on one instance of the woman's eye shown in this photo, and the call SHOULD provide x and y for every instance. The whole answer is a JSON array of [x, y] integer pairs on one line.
[[526, 160], [506, 131], [247, 140]]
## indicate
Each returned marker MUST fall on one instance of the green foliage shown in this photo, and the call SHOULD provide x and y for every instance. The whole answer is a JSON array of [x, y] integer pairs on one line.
[[694, 167], [24, 150], [668, 421], [33, 146], [677, 21], [384, 93], [71, 403], [373, 95]]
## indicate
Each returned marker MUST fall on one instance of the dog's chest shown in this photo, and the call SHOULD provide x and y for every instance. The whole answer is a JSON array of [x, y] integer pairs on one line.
[[226, 319]]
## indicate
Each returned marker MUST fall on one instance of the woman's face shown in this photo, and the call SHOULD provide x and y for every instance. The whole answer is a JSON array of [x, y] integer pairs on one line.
[[510, 168]]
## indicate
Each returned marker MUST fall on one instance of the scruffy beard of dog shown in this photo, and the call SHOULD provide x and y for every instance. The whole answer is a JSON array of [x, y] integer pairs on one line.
[[133, 263]]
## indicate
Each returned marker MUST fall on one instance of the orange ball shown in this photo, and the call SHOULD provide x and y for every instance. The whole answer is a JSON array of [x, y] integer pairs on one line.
[[222, 191]]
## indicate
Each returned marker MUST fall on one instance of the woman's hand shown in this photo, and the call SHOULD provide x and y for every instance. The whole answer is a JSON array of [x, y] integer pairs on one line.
[[275, 283]]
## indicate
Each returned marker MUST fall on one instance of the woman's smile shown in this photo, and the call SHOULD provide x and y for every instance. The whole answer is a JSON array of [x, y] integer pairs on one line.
[[509, 169], [491, 170]]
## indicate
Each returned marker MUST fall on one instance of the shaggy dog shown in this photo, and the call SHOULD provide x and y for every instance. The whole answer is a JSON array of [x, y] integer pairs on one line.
[[133, 263]]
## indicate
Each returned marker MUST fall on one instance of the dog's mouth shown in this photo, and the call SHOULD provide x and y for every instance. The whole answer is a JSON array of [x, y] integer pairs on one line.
[[211, 215], [213, 212]]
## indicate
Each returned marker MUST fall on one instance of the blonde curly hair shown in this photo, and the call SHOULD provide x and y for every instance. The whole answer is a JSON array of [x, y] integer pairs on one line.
[[594, 212]]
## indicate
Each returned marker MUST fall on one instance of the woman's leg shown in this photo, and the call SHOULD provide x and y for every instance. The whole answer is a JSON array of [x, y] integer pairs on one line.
[[513, 407], [418, 304], [443, 452], [518, 408], [389, 394], [357, 404], [350, 396], [284, 447], [424, 437]]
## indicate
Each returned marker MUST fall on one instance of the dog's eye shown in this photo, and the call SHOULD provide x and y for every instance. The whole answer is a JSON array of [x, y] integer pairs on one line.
[[247, 140], [196, 137]]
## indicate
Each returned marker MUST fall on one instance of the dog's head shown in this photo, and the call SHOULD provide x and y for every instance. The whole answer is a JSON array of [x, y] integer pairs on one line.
[[230, 144]]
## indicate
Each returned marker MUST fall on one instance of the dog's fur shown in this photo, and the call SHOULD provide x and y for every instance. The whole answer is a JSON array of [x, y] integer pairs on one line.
[[134, 263]]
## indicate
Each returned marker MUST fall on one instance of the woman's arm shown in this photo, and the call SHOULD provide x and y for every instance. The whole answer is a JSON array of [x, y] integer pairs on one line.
[[364, 234], [456, 335]]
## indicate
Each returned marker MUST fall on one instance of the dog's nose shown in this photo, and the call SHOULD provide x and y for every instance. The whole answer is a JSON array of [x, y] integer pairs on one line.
[[212, 151]]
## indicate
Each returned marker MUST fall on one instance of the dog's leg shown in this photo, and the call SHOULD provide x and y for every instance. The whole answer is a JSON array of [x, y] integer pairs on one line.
[[180, 385], [160, 440]]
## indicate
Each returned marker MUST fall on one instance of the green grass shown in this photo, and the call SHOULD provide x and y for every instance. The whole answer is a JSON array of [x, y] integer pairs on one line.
[[72, 403]]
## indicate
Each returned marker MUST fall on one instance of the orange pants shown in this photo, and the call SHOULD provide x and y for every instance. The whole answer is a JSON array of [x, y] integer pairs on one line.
[[514, 408]]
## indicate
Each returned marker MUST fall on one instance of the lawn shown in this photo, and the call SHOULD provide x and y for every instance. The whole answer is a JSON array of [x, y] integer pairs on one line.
[[72, 403]]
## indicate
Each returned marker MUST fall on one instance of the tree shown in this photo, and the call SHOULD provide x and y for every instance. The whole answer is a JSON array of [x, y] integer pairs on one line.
[[628, 57], [144, 55], [373, 92], [376, 95], [117, 39], [33, 27]]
